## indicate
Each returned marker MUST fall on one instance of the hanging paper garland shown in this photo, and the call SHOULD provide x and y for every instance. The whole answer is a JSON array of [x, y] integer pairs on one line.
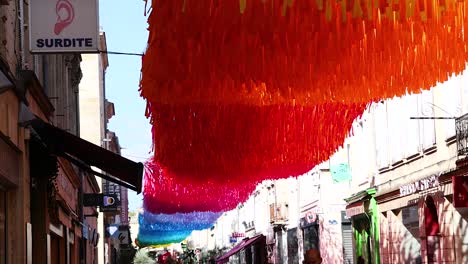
[[155, 238], [225, 149], [163, 229], [178, 221], [242, 91], [276, 51], [164, 193]]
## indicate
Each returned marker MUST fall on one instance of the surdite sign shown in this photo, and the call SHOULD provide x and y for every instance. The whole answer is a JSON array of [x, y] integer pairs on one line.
[[57, 26]]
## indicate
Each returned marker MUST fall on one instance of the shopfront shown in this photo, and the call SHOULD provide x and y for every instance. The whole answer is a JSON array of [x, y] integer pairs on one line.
[[363, 211], [310, 227], [411, 220], [56, 191], [9, 169], [11, 221]]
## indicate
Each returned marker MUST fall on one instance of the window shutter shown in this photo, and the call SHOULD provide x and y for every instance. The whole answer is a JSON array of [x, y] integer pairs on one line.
[[410, 107], [381, 134], [427, 126]]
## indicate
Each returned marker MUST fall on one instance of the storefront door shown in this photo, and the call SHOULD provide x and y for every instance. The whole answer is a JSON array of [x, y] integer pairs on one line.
[[431, 224], [347, 236], [311, 237], [362, 238]]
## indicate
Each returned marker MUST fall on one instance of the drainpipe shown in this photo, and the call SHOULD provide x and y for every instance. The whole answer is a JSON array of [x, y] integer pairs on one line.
[[81, 218], [21, 33]]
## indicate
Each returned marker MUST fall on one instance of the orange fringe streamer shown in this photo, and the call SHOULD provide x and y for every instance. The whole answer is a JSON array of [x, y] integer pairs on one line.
[[267, 52]]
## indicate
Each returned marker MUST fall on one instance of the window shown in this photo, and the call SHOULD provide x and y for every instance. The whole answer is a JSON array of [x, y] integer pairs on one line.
[[410, 219], [412, 126], [451, 106], [411, 239], [426, 126], [381, 134], [397, 136]]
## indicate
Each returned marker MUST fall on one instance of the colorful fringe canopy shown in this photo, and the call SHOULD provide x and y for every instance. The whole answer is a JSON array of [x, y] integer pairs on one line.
[[264, 52], [178, 221], [167, 194], [239, 91], [229, 148], [162, 229], [159, 238]]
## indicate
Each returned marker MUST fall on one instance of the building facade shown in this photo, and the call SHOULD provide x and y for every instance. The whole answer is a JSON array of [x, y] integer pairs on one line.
[[393, 193], [45, 167], [95, 113], [406, 191]]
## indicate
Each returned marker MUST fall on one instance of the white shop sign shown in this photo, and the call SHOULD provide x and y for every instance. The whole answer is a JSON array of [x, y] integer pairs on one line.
[[420, 185], [57, 26]]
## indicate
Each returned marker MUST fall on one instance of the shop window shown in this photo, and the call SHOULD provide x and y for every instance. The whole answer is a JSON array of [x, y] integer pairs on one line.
[[410, 219], [411, 239], [3, 226]]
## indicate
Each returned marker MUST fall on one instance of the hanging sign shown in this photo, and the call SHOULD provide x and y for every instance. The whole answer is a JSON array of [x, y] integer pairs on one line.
[[63, 26], [124, 237], [310, 217], [340, 172], [420, 185], [101, 200], [460, 191], [237, 234]]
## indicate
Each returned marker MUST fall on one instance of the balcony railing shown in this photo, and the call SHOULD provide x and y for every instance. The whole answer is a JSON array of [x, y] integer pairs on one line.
[[461, 127]]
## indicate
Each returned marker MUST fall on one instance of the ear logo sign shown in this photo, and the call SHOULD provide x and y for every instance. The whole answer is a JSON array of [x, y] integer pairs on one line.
[[65, 15], [108, 201]]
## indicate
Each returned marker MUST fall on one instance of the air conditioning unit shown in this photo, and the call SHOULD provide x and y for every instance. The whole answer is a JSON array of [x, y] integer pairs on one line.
[[278, 213]]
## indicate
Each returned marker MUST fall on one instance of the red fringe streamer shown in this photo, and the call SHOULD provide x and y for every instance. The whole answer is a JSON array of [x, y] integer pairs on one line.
[[164, 193], [201, 143]]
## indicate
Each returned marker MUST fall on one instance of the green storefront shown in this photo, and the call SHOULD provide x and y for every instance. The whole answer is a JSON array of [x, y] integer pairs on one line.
[[362, 209]]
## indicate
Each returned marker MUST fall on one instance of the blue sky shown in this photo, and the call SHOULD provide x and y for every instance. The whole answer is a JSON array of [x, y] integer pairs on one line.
[[126, 31]]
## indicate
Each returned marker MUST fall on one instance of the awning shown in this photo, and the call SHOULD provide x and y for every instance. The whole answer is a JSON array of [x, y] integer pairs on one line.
[[243, 244], [355, 209], [84, 154]]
